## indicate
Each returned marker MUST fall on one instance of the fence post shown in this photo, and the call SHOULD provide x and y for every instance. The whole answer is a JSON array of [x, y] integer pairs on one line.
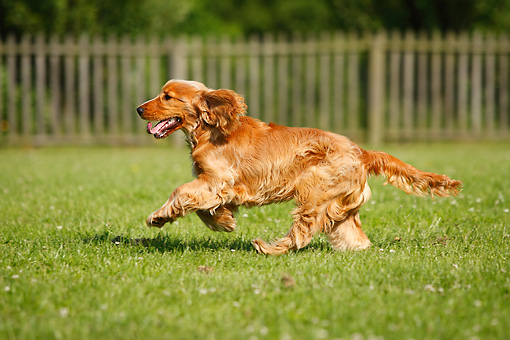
[[376, 88], [10, 91], [40, 88], [26, 87], [503, 84], [84, 87]]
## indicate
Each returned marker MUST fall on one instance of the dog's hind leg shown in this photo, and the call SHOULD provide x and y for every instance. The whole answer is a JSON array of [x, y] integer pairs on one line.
[[347, 234], [299, 235], [221, 219]]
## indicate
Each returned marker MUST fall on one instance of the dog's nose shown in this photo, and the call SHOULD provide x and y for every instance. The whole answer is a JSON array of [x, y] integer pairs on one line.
[[140, 110]]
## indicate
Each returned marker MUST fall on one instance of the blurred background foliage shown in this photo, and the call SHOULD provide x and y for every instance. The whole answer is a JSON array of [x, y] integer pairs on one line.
[[245, 17]]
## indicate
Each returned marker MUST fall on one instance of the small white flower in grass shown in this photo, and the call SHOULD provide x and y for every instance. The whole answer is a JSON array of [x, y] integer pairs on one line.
[[453, 202], [471, 209], [64, 312], [381, 249], [477, 303], [7, 289], [15, 277], [392, 250], [59, 227], [245, 215], [478, 200], [430, 288], [455, 266], [506, 210]]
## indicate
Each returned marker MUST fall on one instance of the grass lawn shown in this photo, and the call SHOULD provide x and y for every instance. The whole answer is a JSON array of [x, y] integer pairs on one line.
[[77, 262]]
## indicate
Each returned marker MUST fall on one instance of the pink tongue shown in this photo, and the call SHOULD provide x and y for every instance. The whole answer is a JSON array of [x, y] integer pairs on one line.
[[157, 128]]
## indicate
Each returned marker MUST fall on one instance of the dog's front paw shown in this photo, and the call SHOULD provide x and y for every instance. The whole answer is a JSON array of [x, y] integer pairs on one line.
[[158, 221]]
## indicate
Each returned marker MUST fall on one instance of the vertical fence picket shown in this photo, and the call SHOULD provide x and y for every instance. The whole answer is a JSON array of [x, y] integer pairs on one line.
[[83, 87], [296, 80], [70, 89], [211, 62], [268, 78], [310, 83], [462, 85], [4, 123], [476, 83], [324, 83], [376, 86], [394, 83], [155, 82], [55, 87], [125, 86], [26, 87], [240, 67], [449, 82], [197, 69], [408, 105], [225, 63], [10, 89], [40, 88], [112, 85], [254, 76], [489, 86], [140, 82], [422, 84], [436, 89], [353, 85], [338, 101], [98, 87], [283, 80], [504, 88]]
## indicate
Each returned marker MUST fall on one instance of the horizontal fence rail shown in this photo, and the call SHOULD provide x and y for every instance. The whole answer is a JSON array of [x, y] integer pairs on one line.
[[378, 87]]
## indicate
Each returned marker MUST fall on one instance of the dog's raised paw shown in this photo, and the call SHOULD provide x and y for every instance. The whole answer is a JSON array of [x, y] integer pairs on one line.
[[156, 221]]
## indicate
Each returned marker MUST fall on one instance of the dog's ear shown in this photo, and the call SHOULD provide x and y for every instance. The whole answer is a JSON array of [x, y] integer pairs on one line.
[[219, 109]]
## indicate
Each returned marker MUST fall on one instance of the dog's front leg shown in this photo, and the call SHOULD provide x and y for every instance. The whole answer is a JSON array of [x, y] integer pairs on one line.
[[189, 197]]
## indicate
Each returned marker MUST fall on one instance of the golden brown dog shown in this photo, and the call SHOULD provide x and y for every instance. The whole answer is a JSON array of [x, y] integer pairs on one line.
[[241, 161]]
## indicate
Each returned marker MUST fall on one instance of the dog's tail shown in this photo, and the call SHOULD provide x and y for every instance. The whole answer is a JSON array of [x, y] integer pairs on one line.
[[407, 177]]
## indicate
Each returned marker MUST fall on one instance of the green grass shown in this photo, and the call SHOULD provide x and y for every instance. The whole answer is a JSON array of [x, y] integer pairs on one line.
[[76, 260]]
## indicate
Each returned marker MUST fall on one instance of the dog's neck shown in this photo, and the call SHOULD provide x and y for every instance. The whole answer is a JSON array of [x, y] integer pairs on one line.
[[201, 135]]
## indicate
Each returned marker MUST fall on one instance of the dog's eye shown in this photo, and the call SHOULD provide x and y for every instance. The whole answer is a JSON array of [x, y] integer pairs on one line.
[[167, 97]]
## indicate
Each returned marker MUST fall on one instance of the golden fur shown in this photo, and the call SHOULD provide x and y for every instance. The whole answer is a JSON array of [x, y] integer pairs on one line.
[[241, 161]]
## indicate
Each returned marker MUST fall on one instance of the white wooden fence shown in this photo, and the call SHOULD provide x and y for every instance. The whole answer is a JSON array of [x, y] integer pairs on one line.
[[378, 87]]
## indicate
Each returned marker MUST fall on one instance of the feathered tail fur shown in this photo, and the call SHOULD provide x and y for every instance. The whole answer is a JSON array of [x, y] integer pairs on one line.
[[407, 177]]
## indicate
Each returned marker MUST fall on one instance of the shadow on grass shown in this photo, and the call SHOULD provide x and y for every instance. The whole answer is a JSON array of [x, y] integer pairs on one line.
[[167, 243]]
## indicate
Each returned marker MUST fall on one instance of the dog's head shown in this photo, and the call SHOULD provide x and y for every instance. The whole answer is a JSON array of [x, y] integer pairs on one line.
[[188, 105]]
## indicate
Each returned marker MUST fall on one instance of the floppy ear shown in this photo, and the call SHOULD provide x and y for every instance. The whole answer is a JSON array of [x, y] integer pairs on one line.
[[220, 109]]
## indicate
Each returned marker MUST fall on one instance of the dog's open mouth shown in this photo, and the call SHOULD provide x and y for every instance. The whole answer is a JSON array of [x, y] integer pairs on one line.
[[164, 127]]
